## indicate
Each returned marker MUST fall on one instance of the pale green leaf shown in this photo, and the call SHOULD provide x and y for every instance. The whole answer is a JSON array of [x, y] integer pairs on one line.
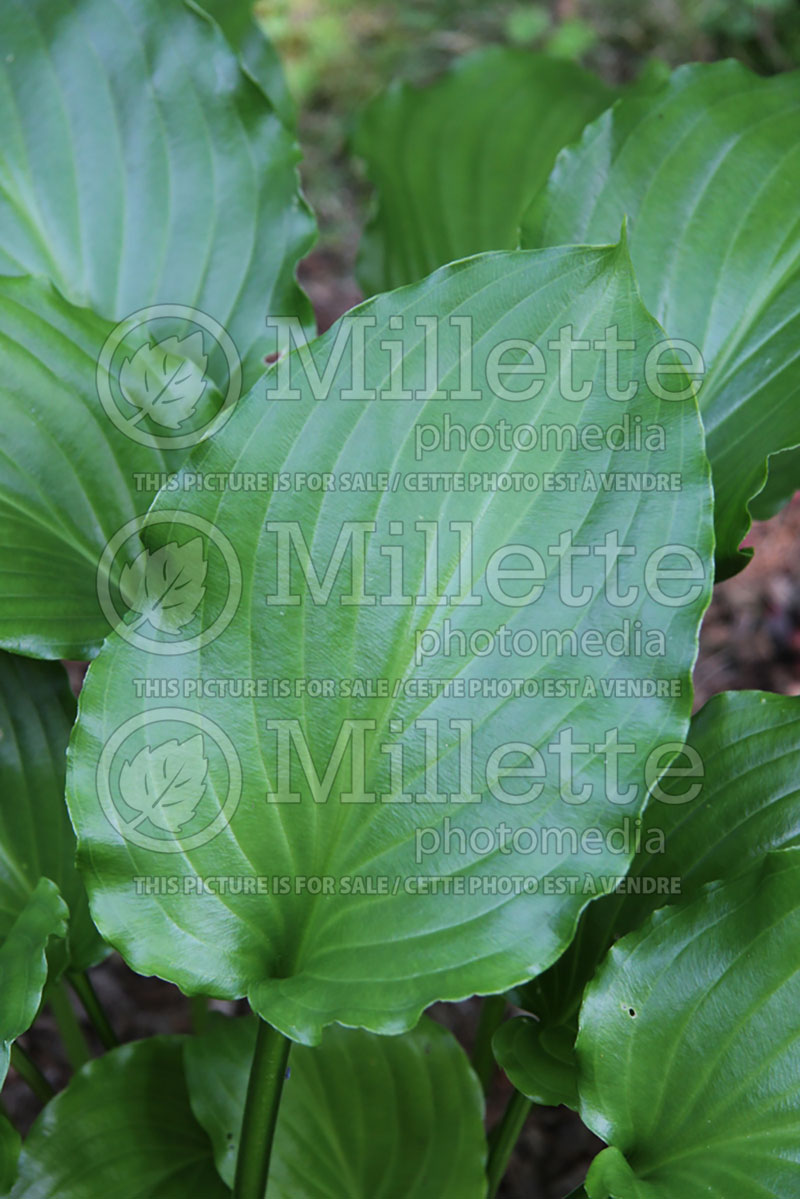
[[370, 946], [148, 198]]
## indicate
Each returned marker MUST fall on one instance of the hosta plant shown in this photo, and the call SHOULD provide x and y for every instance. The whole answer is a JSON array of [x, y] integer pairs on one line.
[[393, 628]]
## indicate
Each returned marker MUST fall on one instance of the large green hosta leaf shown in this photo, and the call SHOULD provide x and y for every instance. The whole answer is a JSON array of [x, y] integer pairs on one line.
[[123, 1127], [708, 172], [68, 475], [739, 800], [24, 936], [173, 758], [141, 166], [361, 1116], [782, 482], [36, 838], [456, 164], [689, 1047], [141, 169], [257, 53]]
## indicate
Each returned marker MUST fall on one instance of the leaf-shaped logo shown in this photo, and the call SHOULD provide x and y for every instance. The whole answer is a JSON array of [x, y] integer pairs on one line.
[[166, 586], [165, 380], [165, 784]]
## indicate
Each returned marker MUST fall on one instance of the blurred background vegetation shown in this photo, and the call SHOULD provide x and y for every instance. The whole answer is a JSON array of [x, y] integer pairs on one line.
[[338, 53]]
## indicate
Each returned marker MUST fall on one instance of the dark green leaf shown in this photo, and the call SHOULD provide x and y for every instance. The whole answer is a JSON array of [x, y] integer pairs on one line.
[[36, 838], [10, 1144], [689, 1048], [455, 165], [707, 172], [23, 961], [122, 1128], [361, 1116], [738, 800]]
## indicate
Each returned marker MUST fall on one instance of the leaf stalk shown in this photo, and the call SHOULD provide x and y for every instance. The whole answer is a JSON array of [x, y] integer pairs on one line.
[[267, 1076]]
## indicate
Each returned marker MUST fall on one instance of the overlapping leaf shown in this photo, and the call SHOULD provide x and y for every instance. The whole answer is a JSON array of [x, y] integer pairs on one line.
[[456, 164], [361, 1116], [707, 171], [738, 800], [319, 915], [257, 53], [689, 1047], [36, 838], [123, 1127], [23, 961], [143, 172]]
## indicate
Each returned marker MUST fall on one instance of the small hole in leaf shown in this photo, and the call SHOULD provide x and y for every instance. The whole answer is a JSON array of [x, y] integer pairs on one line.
[[632, 1012]]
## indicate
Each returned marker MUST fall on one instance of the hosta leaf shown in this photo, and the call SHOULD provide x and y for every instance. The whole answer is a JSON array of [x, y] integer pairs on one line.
[[707, 172], [145, 179], [539, 1059], [23, 961], [123, 1127], [36, 838], [10, 1143], [782, 482], [182, 184], [456, 164], [258, 55], [743, 766], [689, 1048], [361, 1116], [319, 845], [68, 475]]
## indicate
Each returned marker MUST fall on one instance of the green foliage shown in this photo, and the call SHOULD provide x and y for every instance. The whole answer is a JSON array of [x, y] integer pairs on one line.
[[391, 699], [355, 954], [361, 1115], [23, 961], [123, 1127], [737, 801], [456, 165], [687, 1053], [37, 710], [118, 195], [716, 150]]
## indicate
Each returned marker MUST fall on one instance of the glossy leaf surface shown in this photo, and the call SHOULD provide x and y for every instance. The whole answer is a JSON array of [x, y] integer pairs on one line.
[[23, 961], [147, 180], [361, 1116], [292, 804], [122, 1127], [689, 1046], [738, 800], [707, 171], [37, 710]]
